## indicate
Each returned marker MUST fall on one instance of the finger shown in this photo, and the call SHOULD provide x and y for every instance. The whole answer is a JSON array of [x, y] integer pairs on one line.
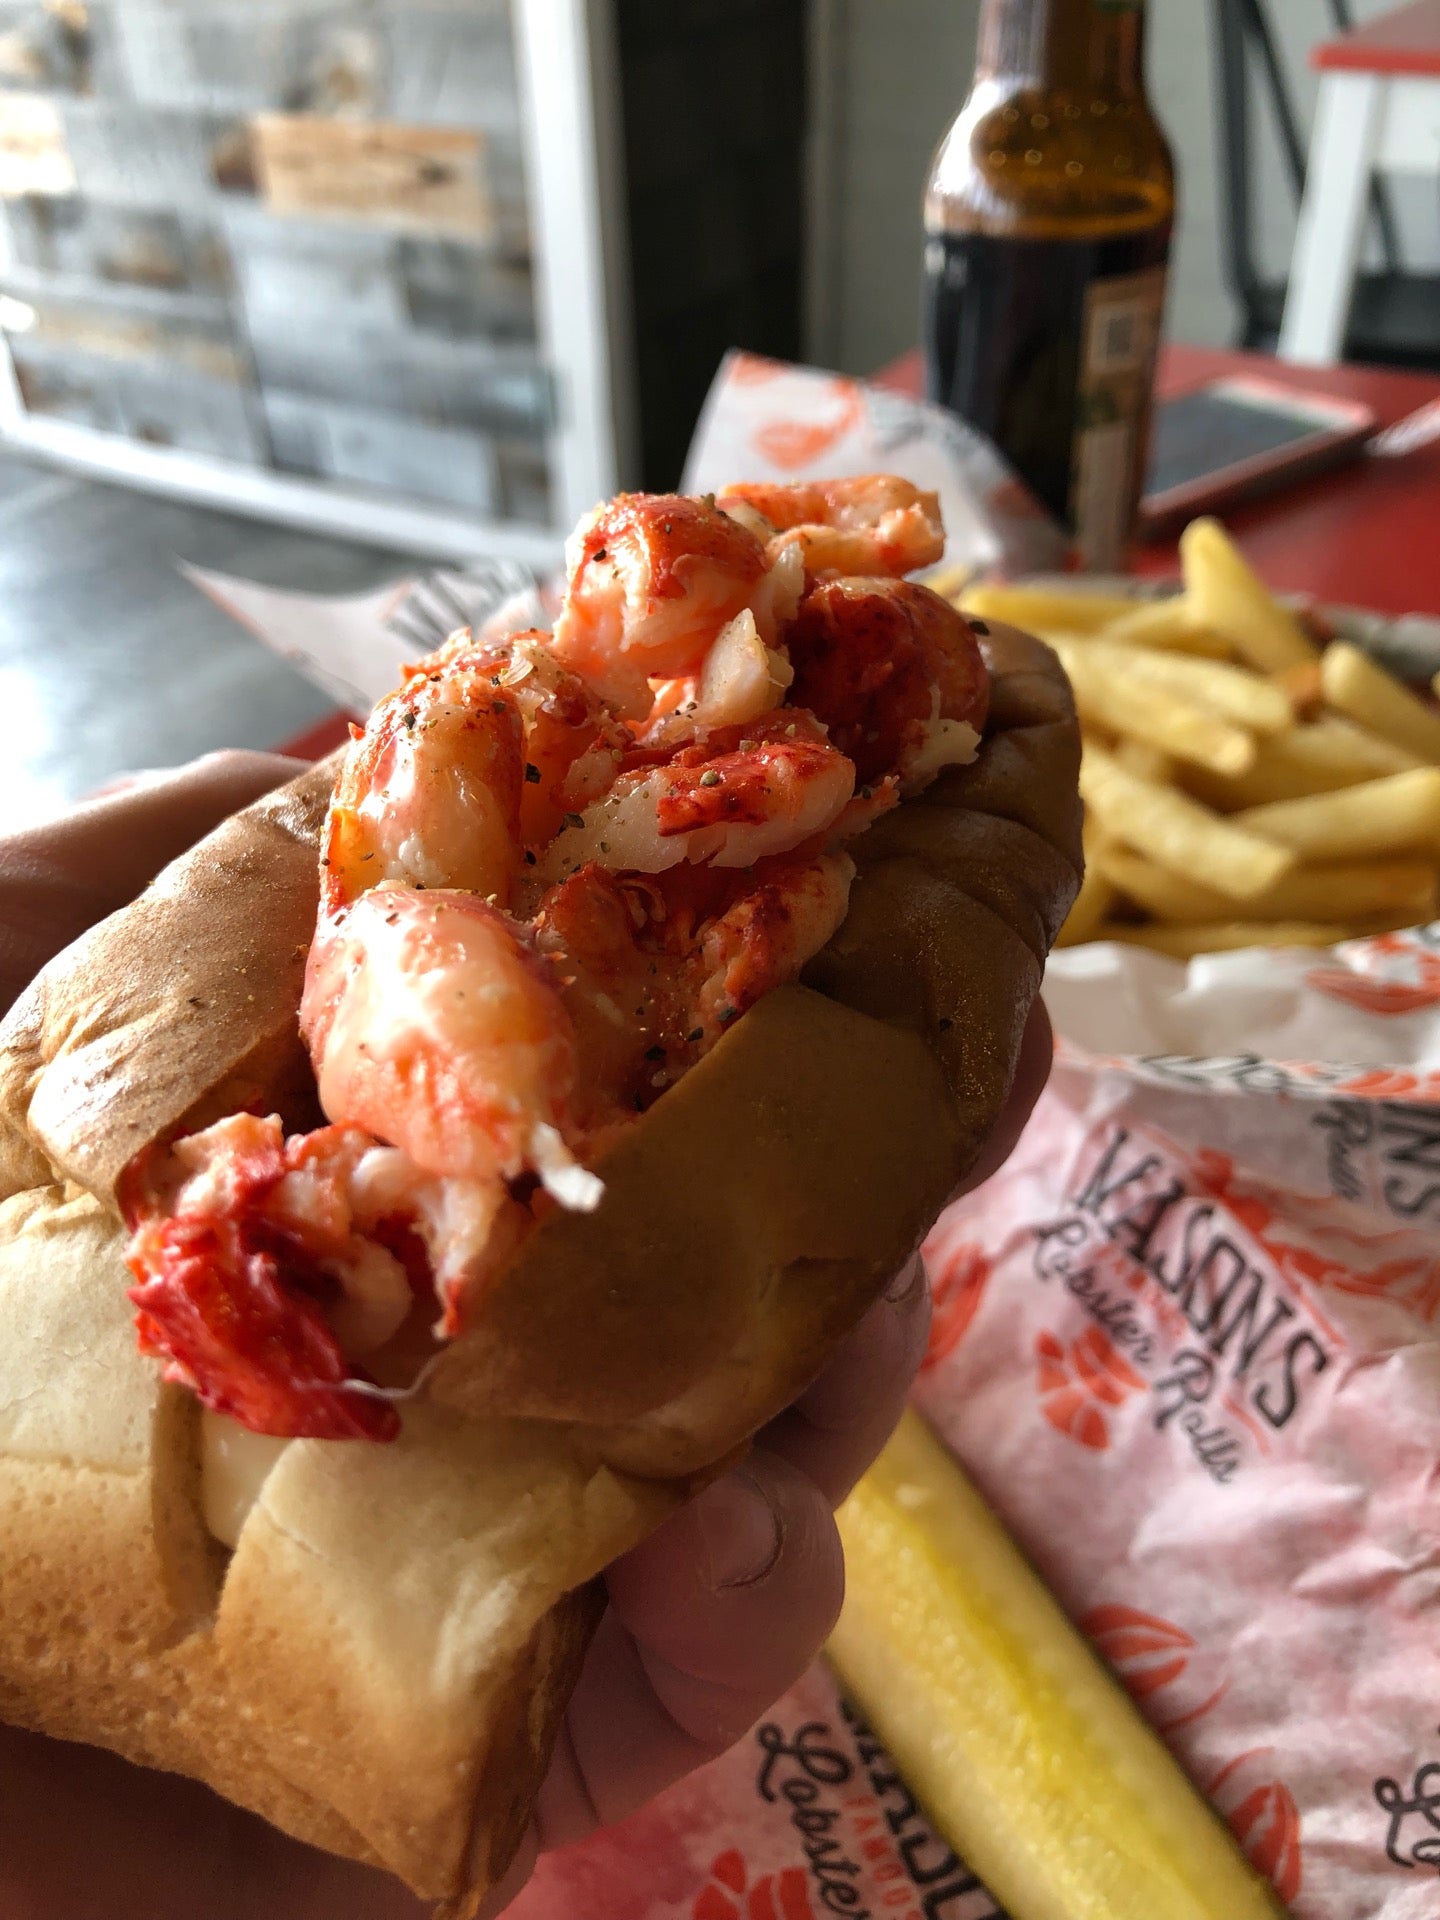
[[141, 824], [839, 1424], [144, 825], [710, 1620], [59, 879], [127, 783]]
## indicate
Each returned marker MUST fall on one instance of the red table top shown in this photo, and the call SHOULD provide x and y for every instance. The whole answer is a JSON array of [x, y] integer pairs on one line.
[[1364, 535], [1405, 40]]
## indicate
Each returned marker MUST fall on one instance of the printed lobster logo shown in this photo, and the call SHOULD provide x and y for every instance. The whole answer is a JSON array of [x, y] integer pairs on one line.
[[792, 444], [1371, 993], [1150, 1656], [1076, 1386], [1264, 1819], [1413, 1279], [1385, 997], [1389, 1083], [774, 1896], [753, 369], [957, 1287], [1146, 1651]]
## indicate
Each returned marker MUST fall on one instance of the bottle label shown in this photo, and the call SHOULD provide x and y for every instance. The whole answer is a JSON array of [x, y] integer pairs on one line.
[[1120, 335], [1045, 343]]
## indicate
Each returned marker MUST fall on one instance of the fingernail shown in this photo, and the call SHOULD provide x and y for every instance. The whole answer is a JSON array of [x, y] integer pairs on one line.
[[740, 1528], [907, 1282]]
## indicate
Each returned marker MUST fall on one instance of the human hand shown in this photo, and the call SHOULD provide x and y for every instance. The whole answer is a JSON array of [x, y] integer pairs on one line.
[[58, 879], [709, 1621]]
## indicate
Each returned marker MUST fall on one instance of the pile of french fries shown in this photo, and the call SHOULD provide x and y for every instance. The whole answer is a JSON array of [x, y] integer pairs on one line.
[[1244, 783]]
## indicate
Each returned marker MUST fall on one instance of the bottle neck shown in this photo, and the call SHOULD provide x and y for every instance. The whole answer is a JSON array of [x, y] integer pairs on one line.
[[1094, 46]]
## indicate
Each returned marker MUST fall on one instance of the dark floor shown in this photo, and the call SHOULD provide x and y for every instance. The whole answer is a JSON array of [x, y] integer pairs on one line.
[[110, 661]]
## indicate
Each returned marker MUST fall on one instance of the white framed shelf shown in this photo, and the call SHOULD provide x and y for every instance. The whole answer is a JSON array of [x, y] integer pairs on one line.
[[567, 102]]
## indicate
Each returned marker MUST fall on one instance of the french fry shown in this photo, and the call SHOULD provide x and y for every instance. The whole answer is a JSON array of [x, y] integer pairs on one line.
[[1148, 762], [1184, 943], [1399, 814], [1176, 832], [1355, 686], [1201, 642], [1044, 609], [1198, 771], [1129, 704], [1224, 593], [1232, 692], [1022, 1749], [1320, 756], [1402, 891], [950, 582], [1168, 626], [1303, 688], [1094, 900], [1169, 896], [1338, 894]]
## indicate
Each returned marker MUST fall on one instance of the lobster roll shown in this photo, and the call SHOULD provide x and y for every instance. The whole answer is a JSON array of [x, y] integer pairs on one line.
[[450, 1163]]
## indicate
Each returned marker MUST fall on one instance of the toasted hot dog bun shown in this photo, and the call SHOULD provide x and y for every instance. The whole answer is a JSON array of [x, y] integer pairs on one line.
[[377, 1668], [749, 1220]]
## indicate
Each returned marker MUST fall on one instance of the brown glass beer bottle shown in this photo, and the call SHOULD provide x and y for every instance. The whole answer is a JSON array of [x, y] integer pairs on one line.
[[1047, 234]]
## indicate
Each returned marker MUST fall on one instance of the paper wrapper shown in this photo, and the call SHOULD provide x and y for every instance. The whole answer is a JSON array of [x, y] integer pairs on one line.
[[805, 1818], [766, 420], [1198, 1307], [353, 646]]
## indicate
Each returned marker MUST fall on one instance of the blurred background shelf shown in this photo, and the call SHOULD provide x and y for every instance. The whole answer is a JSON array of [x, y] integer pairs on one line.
[[447, 251], [481, 259]]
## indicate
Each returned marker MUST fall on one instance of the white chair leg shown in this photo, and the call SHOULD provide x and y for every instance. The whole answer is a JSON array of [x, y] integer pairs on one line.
[[1332, 218]]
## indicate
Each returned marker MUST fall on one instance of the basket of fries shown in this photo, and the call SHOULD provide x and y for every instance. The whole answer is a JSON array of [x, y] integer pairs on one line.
[[1255, 773]]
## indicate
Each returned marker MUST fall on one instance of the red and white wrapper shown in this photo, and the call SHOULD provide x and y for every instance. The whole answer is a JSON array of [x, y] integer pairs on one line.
[[1186, 1343], [768, 420], [807, 1817]]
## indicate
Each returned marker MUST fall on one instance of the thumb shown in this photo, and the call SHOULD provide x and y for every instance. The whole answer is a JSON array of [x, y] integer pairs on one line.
[[710, 1620]]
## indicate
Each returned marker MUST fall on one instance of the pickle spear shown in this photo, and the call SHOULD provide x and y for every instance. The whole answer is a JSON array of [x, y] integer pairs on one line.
[[1026, 1754]]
